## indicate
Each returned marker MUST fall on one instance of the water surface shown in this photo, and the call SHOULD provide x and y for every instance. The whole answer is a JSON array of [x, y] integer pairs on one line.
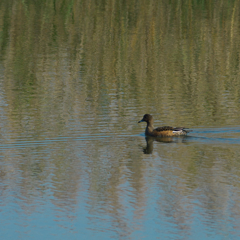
[[75, 79]]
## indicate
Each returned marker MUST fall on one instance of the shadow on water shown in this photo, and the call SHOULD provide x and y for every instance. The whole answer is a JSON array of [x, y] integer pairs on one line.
[[202, 136]]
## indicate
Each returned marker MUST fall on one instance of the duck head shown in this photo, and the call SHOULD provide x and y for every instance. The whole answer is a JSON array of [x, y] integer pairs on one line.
[[147, 118]]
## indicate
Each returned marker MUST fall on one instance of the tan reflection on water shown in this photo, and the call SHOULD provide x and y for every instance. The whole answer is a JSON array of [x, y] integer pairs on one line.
[[157, 55], [76, 76]]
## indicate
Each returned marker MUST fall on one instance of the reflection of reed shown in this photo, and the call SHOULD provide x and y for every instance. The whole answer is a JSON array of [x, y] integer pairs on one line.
[[93, 54]]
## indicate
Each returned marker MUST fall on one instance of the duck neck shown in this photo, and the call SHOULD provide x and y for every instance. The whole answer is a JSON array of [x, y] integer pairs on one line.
[[149, 127]]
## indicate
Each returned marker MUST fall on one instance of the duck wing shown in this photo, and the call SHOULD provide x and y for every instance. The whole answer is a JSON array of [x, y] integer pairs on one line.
[[165, 128], [168, 131]]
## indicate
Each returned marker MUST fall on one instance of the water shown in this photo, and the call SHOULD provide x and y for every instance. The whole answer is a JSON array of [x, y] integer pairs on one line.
[[75, 79]]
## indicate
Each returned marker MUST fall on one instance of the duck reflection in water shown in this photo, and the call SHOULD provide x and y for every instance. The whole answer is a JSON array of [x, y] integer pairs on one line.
[[149, 148]]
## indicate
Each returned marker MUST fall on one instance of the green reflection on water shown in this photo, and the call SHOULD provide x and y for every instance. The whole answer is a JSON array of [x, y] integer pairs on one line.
[[170, 58]]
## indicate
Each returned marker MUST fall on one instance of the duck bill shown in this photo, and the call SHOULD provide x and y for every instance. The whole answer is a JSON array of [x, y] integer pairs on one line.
[[141, 121]]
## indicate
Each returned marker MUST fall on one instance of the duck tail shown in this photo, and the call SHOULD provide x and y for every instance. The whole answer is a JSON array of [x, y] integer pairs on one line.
[[181, 130]]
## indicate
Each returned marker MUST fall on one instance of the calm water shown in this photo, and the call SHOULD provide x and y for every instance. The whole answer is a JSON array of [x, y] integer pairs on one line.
[[76, 77]]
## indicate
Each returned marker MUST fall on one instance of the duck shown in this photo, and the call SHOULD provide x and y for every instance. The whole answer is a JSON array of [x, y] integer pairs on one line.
[[165, 131]]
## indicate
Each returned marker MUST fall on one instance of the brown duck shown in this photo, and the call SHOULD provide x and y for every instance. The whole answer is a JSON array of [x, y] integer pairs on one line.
[[165, 131]]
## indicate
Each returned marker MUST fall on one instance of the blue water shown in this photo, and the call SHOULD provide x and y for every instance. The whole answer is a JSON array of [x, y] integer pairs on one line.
[[117, 191]]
